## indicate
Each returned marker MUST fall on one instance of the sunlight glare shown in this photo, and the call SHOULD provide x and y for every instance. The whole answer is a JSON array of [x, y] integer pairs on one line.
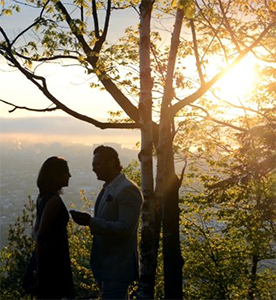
[[239, 82]]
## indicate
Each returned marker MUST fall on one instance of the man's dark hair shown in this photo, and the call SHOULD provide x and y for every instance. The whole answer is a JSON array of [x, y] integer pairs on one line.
[[108, 153]]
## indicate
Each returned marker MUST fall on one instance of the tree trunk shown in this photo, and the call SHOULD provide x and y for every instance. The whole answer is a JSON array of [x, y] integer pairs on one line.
[[173, 261], [167, 185], [150, 230], [252, 288], [167, 192]]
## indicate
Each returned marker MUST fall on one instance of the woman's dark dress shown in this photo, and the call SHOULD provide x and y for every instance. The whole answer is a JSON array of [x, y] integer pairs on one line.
[[55, 275]]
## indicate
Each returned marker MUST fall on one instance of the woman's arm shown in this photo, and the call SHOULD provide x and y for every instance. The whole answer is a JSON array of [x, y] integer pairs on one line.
[[36, 227]]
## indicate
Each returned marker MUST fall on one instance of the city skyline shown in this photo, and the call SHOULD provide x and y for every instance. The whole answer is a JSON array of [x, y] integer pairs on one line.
[[63, 129]]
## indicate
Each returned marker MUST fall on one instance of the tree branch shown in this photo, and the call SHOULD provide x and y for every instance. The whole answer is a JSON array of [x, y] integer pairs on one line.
[[95, 18], [92, 58], [215, 31], [106, 25], [242, 107], [226, 124], [168, 88], [6, 39], [228, 27], [41, 83], [15, 107], [71, 24], [29, 27], [101, 125], [45, 59], [198, 62], [204, 88]]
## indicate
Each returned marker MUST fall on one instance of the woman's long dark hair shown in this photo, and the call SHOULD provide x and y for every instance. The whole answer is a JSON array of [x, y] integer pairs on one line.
[[48, 179]]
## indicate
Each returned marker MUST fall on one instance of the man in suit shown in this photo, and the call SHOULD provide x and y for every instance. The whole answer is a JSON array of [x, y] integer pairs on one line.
[[114, 256]]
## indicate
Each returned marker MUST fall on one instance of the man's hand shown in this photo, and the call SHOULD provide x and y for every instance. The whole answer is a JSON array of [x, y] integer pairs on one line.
[[80, 217]]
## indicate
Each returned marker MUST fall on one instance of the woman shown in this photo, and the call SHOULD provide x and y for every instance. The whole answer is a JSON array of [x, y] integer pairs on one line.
[[54, 273]]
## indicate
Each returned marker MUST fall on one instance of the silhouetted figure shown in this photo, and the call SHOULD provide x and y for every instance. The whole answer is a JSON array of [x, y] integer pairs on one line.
[[114, 257], [54, 273]]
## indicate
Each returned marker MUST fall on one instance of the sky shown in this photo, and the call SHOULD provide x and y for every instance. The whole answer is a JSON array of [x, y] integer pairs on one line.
[[69, 85]]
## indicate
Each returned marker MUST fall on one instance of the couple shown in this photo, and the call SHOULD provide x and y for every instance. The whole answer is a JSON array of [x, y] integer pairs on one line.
[[114, 257]]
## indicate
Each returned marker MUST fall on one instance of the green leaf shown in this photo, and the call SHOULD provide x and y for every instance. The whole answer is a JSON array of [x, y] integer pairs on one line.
[[189, 8]]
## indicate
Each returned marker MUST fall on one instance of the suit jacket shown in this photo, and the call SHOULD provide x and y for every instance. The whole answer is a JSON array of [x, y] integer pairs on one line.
[[114, 227]]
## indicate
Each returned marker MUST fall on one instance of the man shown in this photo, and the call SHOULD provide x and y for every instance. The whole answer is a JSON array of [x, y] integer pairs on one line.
[[114, 257]]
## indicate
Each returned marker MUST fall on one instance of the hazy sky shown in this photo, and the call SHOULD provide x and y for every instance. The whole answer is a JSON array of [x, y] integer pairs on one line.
[[69, 85], [63, 129]]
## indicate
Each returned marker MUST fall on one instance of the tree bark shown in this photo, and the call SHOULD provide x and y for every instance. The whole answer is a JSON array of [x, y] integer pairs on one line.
[[150, 230], [173, 261], [167, 185], [167, 193]]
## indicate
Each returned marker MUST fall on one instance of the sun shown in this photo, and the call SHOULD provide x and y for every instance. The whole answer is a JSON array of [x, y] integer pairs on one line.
[[239, 83]]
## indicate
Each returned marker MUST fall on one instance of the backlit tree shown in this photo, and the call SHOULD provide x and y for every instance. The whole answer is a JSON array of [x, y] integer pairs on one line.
[[157, 81]]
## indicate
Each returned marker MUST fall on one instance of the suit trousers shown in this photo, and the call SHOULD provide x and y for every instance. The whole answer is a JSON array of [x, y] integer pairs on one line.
[[112, 289]]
